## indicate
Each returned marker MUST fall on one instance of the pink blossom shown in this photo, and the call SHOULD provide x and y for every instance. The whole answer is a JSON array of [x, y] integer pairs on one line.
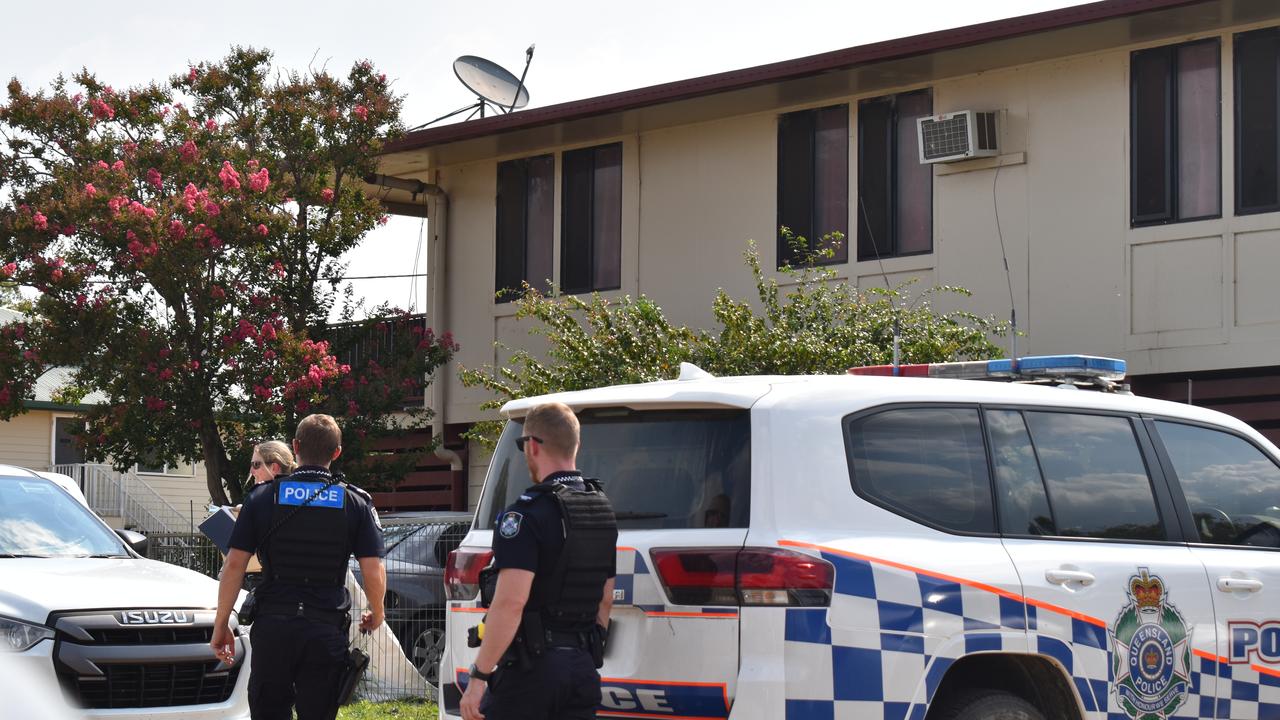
[[56, 275], [166, 373], [382, 77], [116, 203], [362, 112], [189, 194], [210, 125], [259, 180], [177, 230], [261, 392], [229, 177], [383, 220], [154, 177], [217, 292], [352, 408], [215, 242], [189, 152], [136, 249], [90, 190], [165, 352], [164, 111], [278, 268], [101, 110], [40, 221], [118, 166], [9, 270], [262, 230], [327, 195], [30, 355], [155, 404], [102, 165], [333, 113], [195, 364], [77, 98], [130, 148], [191, 75], [212, 208]]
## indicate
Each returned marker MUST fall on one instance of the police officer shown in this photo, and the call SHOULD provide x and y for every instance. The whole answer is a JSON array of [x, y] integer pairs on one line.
[[554, 551], [303, 528]]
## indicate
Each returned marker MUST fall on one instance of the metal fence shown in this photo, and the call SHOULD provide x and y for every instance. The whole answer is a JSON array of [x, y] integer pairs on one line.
[[405, 653]]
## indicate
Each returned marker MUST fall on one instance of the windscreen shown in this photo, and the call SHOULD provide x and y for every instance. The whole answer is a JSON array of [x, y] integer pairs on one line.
[[39, 519], [660, 469]]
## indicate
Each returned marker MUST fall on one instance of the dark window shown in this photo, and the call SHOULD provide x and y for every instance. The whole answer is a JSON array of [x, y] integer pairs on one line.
[[1020, 494], [1257, 75], [1232, 488], [591, 219], [813, 183], [1175, 115], [525, 225], [895, 191], [1096, 478], [928, 464], [66, 450], [661, 469]]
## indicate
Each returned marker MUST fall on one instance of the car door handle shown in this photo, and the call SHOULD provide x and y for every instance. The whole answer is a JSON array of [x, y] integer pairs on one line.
[[1064, 577], [1234, 584]]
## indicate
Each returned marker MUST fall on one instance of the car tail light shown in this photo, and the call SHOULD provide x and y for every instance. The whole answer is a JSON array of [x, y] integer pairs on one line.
[[744, 576], [462, 572]]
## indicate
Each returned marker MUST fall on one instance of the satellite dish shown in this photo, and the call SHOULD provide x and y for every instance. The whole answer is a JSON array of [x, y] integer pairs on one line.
[[493, 85], [491, 82]]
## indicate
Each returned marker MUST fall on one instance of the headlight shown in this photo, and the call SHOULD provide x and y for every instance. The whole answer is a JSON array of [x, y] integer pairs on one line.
[[17, 636]]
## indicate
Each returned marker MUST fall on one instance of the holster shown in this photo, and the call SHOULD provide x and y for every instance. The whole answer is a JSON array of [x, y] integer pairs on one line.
[[353, 667], [598, 641], [248, 609], [488, 585]]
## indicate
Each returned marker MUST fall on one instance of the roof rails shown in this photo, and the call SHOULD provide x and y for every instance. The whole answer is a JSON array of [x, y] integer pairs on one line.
[[1072, 371]]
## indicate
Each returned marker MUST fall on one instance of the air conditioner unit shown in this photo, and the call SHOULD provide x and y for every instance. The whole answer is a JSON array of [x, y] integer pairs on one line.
[[960, 135]]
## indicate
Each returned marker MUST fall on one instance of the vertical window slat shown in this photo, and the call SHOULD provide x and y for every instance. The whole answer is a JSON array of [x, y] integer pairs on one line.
[[913, 200], [1257, 147], [1199, 125], [875, 178], [1151, 136]]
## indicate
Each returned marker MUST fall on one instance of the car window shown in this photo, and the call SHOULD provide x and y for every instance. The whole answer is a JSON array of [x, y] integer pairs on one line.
[[1097, 481], [660, 469], [37, 518], [1232, 487], [1021, 497], [926, 463]]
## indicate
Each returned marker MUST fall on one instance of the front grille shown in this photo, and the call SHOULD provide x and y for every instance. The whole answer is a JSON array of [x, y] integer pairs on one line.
[[152, 636], [104, 663], [153, 685]]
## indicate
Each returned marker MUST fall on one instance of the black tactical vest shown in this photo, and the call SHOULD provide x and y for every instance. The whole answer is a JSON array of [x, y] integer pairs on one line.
[[311, 544], [571, 598]]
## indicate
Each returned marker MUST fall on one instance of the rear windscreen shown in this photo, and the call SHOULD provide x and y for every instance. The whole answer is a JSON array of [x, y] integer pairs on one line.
[[660, 469]]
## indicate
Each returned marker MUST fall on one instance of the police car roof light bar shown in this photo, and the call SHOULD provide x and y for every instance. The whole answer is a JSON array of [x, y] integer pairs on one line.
[[1036, 367]]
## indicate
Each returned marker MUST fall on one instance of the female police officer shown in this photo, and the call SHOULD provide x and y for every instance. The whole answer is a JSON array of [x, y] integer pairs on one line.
[[554, 552]]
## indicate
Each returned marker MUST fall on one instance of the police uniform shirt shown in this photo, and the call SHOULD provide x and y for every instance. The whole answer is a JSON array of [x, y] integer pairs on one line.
[[364, 539], [529, 535]]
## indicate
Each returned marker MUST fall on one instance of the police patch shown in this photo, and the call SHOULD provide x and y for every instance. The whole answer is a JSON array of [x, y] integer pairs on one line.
[[311, 494], [509, 527]]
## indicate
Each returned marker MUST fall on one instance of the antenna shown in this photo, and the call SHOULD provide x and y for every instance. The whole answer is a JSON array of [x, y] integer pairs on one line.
[[1008, 276], [897, 318], [494, 86]]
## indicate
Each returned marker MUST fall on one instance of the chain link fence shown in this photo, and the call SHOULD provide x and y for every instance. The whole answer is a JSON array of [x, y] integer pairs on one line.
[[405, 658]]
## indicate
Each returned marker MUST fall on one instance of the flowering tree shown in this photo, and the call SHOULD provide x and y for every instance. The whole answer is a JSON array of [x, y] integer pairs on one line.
[[181, 238]]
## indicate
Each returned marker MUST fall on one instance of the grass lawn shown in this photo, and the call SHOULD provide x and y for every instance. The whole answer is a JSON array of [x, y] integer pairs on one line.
[[381, 711]]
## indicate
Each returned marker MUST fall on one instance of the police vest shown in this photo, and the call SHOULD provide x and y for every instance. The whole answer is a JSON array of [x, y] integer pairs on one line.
[[310, 542], [569, 599]]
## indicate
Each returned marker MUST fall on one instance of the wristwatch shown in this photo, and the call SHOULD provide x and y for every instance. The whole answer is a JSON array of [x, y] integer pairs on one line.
[[474, 672]]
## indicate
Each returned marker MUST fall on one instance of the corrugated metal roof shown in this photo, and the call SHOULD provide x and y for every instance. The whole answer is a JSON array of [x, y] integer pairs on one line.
[[7, 316], [55, 379]]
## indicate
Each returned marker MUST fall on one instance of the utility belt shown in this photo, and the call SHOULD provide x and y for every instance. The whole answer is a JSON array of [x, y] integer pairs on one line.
[[533, 638], [339, 618]]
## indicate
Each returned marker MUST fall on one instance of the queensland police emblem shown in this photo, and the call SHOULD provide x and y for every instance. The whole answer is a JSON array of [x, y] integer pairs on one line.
[[509, 527], [1151, 656]]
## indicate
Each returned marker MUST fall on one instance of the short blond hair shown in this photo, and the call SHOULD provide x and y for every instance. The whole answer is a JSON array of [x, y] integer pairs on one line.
[[557, 427], [275, 451], [318, 437]]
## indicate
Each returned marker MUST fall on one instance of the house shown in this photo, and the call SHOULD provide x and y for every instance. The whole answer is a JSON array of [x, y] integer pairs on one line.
[[154, 498], [1135, 191]]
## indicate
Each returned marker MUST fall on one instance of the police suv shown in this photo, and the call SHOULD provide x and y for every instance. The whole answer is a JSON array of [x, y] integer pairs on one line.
[[918, 547], [125, 637]]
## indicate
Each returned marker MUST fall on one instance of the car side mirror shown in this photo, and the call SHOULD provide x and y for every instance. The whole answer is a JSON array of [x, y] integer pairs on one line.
[[137, 541]]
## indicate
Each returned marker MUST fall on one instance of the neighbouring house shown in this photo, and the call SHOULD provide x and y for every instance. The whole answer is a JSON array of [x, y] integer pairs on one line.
[[1134, 187], [152, 498]]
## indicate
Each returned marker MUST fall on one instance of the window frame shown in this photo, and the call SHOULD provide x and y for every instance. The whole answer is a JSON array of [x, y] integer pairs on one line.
[[1236, 129], [783, 253], [1171, 178], [591, 243], [1170, 514], [503, 295], [858, 205], [1181, 506]]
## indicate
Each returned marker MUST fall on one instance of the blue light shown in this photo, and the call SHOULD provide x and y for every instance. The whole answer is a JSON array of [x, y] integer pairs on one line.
[[1058, 364]]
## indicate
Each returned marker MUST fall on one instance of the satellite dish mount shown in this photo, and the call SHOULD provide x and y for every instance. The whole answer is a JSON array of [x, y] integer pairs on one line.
[[496, 89]]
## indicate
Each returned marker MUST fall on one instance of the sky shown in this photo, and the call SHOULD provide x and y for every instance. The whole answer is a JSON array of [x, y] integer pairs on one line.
[[584, 49]]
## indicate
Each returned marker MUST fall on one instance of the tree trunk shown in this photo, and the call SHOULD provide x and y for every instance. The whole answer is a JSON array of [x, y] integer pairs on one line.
[[215, 466]]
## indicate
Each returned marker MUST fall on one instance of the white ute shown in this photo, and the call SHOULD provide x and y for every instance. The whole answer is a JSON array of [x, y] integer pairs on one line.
[[919, 548], [124, 637]]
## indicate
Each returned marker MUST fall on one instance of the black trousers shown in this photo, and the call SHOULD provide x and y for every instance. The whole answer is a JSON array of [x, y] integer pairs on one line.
[[562, 684], [295, 661]]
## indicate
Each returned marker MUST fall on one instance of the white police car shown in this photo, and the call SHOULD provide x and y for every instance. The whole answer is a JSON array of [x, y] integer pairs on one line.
[[903, 548]]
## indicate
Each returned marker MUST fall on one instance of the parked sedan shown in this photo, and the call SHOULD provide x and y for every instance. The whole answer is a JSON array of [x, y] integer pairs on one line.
[[418, 546]]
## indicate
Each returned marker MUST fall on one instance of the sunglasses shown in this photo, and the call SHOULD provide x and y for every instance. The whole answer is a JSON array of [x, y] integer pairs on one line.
[[520, 441], [257, 464]]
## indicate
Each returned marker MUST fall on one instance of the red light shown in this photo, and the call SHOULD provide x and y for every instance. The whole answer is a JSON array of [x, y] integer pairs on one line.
[[462, 572], [919, 370], [747, 576]]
